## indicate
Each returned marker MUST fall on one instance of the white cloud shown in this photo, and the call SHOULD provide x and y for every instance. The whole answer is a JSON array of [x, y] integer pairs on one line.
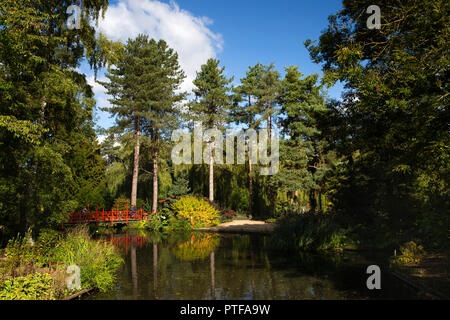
[[187, 34], [102, 101]]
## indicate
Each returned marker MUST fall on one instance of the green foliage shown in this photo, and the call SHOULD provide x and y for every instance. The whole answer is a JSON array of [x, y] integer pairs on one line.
[[212, 102], [47, 241], [160, 220], [410, 252], [36, 286], [176, 226], [136, 225], [50, 159], [249, 92], [98, 261], [122, 203], [307, 232], [140, 107], [391, 127], [202, 213], [180, 186], [20, 255]]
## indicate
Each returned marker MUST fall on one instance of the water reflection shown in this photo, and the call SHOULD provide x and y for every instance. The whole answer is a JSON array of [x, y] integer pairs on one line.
[[208, 266], [155, 270]]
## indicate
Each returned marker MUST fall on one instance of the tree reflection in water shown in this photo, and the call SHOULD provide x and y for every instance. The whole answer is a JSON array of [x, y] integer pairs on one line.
[[231, 267]]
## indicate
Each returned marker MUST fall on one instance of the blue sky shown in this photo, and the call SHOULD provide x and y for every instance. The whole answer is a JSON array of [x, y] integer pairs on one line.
[[239, 33]]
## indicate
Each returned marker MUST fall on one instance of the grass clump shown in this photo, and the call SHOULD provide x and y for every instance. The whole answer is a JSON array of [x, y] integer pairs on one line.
[[97, 260], [37, 269], [308, 232]]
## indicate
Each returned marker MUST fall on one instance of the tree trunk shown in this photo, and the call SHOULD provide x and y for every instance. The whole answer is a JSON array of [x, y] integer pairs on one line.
[[250, 180], [25, 219], [320, 202], [268, 117], [155, 179], [250, 188], [137, 134], [211, 173], [313, 199]]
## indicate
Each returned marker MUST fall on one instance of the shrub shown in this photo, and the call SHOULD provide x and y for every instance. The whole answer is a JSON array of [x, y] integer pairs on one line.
[[37, 286], [136, 225], [271, 220], [122, 202], [203, 214], [178, 225], [45, 246], [20, 256], [228, 214], [159, 220], [411, 252]]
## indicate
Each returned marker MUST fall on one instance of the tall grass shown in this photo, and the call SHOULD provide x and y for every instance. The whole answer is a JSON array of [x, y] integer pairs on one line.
[[25, 270], [307, 232], [98, 261]]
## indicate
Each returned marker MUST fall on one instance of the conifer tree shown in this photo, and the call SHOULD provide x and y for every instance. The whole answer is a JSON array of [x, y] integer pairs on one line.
[[143, 84], [302, 155], [211, 105], [269, 87], [251, 112]]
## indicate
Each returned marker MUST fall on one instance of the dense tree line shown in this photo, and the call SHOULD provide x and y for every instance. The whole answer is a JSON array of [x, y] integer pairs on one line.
[[379, 156]]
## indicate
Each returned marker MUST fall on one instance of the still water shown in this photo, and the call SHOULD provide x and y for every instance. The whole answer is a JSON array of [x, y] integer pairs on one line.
[[203, 266]]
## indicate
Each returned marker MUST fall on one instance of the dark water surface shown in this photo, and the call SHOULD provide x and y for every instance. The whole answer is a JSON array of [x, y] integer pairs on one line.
[[233, 267]]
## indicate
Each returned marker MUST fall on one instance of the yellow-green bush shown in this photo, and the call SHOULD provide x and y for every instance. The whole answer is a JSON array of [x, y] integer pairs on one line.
[[36, 286], [203, 214], [411, 252]]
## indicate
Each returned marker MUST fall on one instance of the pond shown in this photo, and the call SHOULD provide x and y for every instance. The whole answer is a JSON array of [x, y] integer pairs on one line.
[[203, 266]]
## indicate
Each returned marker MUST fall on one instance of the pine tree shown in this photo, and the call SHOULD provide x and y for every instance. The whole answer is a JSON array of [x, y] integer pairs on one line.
[[302, 152], [269, 87], [211, 105], [249, 113], [143, 83]]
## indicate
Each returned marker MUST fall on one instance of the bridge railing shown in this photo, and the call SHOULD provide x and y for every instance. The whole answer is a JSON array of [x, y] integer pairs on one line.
[[112, 216]]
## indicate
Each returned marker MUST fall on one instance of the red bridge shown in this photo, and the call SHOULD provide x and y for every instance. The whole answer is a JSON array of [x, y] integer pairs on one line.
[[112, 216]]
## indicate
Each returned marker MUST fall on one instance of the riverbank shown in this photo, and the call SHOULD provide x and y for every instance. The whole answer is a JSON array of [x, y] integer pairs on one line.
[[241, 226], [430, 276], [38, 269]]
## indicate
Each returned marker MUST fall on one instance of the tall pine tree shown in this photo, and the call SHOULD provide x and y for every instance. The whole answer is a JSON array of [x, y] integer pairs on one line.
[[250, 113], [303, 163], [143, 84], [211, 105]]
